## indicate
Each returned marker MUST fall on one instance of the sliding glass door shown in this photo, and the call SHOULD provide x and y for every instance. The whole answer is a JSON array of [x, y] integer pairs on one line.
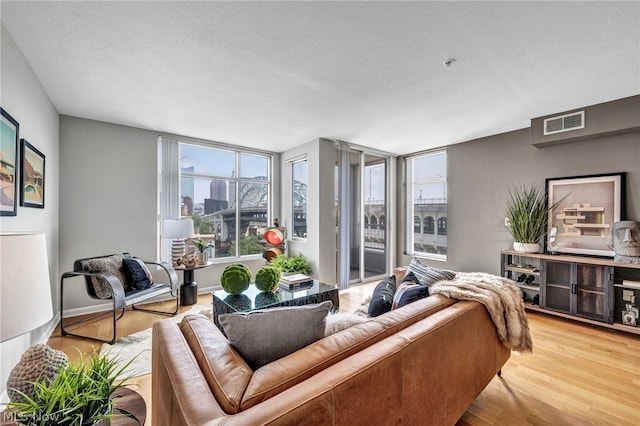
[[362, 192]]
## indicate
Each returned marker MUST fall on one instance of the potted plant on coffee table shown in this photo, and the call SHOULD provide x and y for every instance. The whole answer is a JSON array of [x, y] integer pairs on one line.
[[527, 216]]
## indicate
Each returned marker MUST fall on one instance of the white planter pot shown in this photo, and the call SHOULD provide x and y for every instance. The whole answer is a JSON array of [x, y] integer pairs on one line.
[[526, 247], [203, 258]]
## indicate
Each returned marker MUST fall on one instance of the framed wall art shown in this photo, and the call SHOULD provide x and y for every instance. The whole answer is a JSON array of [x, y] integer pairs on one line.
[[32, 176], [9, 129], [588, 206]]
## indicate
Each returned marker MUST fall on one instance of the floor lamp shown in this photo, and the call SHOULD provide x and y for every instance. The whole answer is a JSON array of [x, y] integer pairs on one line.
[[25, 287], [177, 230]]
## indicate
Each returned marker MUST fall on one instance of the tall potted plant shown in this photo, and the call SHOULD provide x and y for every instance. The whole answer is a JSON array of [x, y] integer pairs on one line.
[[527, 216]]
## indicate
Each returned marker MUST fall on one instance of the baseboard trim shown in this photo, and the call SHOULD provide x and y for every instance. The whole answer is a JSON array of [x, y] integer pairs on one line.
[[107, 306]]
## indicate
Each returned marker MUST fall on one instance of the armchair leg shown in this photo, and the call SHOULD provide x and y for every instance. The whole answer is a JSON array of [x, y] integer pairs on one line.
[[65, 332], [115, 318]]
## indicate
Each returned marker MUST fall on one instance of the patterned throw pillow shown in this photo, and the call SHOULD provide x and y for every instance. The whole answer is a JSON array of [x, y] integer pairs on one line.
[[138, 275], [409, 291], [382, 297], [111, 265], [428, 275]]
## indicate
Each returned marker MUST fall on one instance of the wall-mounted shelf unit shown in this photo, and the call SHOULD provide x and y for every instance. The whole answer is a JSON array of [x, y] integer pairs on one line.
[[588, 289]]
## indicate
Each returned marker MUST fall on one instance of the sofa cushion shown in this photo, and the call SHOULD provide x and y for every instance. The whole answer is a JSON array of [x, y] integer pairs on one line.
[[226, 373], [264, 336], [428, 275], [138, 275], [109, 265], [382, 297]]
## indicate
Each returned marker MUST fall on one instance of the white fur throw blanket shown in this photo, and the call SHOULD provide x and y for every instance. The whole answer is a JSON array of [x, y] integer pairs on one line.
[[501, 297]]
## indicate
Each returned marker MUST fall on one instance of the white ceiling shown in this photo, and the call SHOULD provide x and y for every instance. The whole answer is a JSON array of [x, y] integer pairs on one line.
[[273, 75]]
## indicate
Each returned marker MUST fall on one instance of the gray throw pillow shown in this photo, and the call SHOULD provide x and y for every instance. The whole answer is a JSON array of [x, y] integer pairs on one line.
[[264, 336], [428, 275]]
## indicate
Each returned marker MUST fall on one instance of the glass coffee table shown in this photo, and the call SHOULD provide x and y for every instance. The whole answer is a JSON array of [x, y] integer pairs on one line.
[[252, 299]]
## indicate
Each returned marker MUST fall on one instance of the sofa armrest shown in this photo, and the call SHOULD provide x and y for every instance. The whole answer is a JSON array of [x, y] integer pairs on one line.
[[180, 392], [399, 272]]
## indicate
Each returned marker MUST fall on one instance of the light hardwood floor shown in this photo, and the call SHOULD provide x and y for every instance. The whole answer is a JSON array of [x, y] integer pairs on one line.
[[577, 375]]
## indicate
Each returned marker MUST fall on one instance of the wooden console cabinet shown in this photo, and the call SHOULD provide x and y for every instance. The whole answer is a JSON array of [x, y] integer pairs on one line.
[[587, 289]]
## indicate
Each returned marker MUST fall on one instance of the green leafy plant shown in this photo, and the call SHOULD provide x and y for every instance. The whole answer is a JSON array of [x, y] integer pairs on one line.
[[81, 394], [291, 264], [235, 278], [527, 213], [201, 245], [267, 278]]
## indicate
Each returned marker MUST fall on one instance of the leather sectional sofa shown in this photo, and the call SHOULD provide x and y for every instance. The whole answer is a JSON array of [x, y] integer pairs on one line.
[[421, 364]]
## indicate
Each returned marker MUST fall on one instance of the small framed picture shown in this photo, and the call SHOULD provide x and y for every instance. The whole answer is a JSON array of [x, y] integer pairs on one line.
[[32, 176]]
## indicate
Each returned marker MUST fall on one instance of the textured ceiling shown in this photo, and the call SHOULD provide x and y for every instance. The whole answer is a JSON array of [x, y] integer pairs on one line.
[[273, 75]]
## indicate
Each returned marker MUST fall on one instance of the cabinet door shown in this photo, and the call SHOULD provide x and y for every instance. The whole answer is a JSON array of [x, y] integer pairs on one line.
[[557, 286], [592, 282]]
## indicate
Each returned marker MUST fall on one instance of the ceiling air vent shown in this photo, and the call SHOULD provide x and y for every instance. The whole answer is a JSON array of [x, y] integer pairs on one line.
[[564, 123]]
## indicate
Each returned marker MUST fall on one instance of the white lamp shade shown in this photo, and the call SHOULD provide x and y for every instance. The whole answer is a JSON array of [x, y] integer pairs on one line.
[[177, 228], [25, 288]]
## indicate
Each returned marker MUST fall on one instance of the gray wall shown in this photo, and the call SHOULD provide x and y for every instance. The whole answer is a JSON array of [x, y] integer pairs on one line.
[[480, 172], [108, 200], [24, 98], [108, 197]]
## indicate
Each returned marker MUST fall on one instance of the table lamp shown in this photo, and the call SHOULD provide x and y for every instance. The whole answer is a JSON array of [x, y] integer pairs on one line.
[[25, 287], [177, 230]]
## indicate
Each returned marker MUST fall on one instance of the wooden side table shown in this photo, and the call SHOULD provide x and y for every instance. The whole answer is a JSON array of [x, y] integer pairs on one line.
[[132, 402], [189, 288]]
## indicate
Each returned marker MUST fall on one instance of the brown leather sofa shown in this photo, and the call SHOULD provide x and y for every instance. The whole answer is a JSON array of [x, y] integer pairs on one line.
[[422, 364]]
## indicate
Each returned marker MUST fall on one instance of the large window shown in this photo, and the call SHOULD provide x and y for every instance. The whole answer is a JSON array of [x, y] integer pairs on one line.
[[427, 205], [227, 193]]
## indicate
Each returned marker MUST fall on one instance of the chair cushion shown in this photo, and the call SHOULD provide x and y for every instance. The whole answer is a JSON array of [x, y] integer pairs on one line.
[[264, 336], [108, 265], [138, 275]]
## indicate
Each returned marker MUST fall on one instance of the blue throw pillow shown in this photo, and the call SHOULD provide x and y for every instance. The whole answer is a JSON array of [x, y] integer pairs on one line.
[[382, 297], [409, 292], [137, 274]]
